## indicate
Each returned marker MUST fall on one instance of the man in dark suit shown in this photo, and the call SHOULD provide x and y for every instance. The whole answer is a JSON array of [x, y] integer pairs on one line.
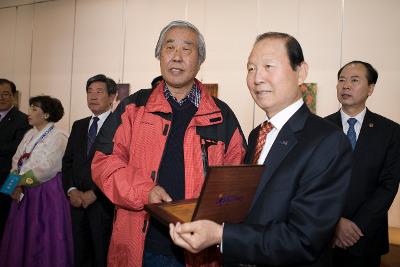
[[362, 232], [91, 211], [307, 171], [13, 126]]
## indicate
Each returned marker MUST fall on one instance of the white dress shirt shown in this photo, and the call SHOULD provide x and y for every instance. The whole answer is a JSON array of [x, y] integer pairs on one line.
[[102, 118], [357, 127], [278, 121]]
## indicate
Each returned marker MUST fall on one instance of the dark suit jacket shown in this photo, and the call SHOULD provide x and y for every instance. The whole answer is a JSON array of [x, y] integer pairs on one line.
[[12, 129], [299, 199], [374, 180], [76, 163]]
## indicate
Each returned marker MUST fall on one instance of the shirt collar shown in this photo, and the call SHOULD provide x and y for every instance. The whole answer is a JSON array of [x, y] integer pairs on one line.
[[280, 118], [359, 117], [193, 96], [4, 113], [103, 116]]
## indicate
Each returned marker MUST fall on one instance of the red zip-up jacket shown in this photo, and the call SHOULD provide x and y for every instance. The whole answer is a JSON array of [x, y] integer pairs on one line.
[[126, 168]]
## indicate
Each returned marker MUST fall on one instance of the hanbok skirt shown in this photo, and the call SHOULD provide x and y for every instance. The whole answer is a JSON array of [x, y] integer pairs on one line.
[[38, 229]]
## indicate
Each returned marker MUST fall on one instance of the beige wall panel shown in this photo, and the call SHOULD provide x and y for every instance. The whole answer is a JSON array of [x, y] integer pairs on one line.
[[376, 40], [371, 33], [52, 52], [145, 19], [229, 30], [98, 48], [320, 37], [281, 16], [7, 43], [12, 3], [23, 49], [394, 212]]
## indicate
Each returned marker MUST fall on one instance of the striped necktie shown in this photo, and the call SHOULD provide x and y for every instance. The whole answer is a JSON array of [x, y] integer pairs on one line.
[[92, 134], [265, 128], [351, 132]]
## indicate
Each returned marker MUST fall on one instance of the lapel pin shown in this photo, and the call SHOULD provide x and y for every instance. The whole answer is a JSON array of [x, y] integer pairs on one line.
[[284, 142], [371, 125]]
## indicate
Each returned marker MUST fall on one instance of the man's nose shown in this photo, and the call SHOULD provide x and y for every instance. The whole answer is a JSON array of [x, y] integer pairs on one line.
[[177, 56], [346, 84], [259, 76]]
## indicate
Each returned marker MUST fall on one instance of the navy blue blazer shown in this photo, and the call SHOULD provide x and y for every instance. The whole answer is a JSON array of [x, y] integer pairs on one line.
[[76, 166], [299, 199], [12, 129], [374, 181]]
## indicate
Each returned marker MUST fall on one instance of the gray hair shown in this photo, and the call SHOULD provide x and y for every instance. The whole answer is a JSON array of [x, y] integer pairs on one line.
[[201, 45]]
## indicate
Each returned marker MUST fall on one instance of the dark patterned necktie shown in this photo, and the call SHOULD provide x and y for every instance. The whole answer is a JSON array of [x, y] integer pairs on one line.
[[92, 134], [351, 132], [265, 128]]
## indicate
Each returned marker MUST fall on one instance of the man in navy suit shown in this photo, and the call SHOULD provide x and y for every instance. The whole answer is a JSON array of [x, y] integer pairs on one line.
[[307, 171], [91, 211], [362, 232], [13, 126]]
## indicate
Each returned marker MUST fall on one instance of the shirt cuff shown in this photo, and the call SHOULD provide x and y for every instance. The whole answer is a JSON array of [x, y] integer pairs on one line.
[[221, 245], [70, 189]]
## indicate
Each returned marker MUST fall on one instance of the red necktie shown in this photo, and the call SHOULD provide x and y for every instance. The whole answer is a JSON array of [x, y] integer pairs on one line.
[[265, 128]]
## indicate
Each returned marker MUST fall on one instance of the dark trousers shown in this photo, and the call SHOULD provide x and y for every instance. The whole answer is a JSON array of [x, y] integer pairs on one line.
[[91, 228], [152, 259], [342, 258], [5, 203]]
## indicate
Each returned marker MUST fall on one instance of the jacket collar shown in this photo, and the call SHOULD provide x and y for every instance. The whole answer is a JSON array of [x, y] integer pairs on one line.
[[283, 144], [207, 113]]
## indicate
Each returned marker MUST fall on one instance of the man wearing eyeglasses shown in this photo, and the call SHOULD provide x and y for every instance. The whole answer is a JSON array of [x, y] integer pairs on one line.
[[13, 125]]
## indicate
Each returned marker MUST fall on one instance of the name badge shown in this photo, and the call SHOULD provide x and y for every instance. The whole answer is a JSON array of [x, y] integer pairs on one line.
[[10, 184]]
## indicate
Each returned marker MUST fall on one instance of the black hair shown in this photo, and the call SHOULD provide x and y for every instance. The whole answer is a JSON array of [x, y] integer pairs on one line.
[[156, 80], [372, 73], [49, 105], [11, 84], [110, 83], [293, 48]]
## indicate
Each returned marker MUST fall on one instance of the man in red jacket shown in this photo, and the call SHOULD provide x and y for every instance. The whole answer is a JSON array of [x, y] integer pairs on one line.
[[157, 147]]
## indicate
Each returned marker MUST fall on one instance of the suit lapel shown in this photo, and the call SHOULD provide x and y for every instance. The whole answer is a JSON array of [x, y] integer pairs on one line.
[[84, 134], [337, 119], [284, 142], [92, 149], [367, 128], [9, 117]]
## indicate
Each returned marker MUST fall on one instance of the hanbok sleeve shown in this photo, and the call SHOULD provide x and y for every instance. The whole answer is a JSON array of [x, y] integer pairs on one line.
[[46, 159]]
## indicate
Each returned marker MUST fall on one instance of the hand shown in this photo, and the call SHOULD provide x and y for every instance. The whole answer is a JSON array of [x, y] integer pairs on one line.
[[196, 236], [17, 192], [347, 233], [75, 198], [88, 198], [158, 194]]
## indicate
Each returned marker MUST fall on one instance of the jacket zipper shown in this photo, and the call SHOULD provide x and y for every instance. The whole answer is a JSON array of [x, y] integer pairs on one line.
[[166, 132]]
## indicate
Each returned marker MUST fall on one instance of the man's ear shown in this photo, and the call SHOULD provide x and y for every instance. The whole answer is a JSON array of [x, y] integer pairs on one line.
[[371, 88], [302, 72], [112, 98]]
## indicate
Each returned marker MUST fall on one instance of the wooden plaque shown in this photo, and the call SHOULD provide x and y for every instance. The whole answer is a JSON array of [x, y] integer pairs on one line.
[[226, 196]]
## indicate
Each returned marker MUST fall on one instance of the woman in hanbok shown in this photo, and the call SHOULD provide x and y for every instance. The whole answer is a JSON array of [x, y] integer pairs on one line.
[[38, 229]]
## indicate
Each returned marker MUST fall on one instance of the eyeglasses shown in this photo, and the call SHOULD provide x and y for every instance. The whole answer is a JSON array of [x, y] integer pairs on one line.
[[5, 95]]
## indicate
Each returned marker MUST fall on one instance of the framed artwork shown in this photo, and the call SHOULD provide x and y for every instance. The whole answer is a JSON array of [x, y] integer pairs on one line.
[[17, 98], [122, 92], [212, 88], [309, 91]]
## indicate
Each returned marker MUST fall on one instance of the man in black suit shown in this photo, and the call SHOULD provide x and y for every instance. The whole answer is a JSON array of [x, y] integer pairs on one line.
[[13, 126], [362, 232], [91, 211], [307, 171]]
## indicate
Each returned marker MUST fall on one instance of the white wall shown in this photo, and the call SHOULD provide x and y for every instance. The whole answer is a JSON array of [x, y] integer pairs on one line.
[[53, 47]]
